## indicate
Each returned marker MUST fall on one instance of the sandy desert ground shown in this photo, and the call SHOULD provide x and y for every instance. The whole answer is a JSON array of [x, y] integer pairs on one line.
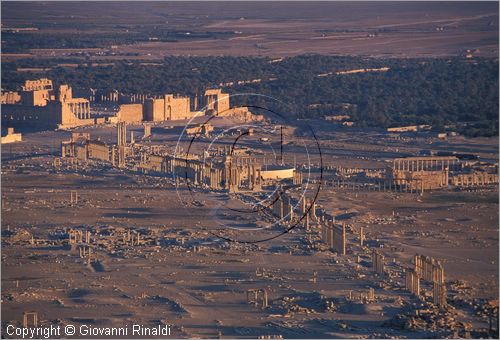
[[185, 276]]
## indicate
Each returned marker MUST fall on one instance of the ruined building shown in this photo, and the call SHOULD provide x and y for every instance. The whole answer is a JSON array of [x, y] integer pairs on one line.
[[421, 173], [80, 146], [42, 106], [241, 113], [11, 137], [417, 174], [10, 97], [130, 113], [229, 174], [168, 107], [217, 101]]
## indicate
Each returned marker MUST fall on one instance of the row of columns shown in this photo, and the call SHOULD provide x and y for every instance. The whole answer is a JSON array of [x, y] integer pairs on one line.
[[430, 270], [369, 297], [482, 178], [234, 173], [423, 164], [215, 178], [284, 205], [133, 239], [110, 97], [245, 174], [399, 184], [202, 173], [81, 110], [116, 97], [254, 177], [76, 236], [439, 294], [334, 236], [85, 252], [223, 150], [211, 101], [377, 186], [253, 297], [412, 282], [137, 98], [378, 264]]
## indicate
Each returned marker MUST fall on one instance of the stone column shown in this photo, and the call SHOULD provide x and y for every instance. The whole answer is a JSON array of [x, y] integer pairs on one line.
[[264, 299], [416, 284]]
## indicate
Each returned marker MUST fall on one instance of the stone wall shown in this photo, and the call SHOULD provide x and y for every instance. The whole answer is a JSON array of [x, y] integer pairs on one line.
[[168, 108], [12, 137], [130, 113], [99, 150], [154, 110], [177, 108]]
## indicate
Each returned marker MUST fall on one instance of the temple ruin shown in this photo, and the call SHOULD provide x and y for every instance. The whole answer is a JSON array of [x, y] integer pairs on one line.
[[42, 106]]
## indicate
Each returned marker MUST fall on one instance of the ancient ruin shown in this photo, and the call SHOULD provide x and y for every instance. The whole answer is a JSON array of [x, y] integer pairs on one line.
[[156, 177]]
